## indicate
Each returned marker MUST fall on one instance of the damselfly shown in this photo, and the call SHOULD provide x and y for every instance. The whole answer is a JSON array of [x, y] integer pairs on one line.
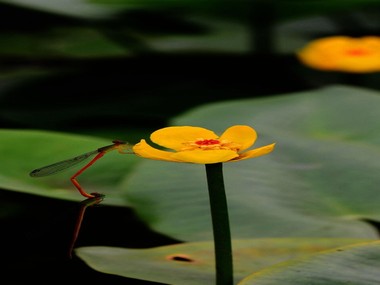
[[120, 146]]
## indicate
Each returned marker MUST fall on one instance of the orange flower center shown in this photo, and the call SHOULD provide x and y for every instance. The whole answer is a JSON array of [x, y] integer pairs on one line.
[[358, 52], [210, 144]]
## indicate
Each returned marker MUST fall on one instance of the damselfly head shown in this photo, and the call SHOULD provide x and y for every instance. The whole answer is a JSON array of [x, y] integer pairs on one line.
[[117, 142]]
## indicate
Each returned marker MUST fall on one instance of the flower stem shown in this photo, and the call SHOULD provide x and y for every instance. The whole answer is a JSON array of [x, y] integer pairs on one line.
[[220, 223]]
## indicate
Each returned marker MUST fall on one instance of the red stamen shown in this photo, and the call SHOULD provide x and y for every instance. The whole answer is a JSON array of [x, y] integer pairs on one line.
[[207, 142], [358, 52]]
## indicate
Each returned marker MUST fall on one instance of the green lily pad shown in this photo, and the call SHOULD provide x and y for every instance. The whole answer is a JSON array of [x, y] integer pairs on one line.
[[193, 263], [22, 151], [320, 181], [353, 264]]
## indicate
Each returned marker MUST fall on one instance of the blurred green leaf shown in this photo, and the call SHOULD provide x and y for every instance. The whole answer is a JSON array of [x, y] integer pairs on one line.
[[22, 151], [242, 9], [321, 180], [193, 263], [65, 43], [73, 8], [75, 28], [353, 264], [220, 36]]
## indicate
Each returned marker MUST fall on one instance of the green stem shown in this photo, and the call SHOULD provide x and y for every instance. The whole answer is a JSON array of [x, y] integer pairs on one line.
[[220, 223]]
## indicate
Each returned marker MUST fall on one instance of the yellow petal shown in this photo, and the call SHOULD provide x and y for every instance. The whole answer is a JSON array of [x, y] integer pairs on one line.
[[256, 152], [205, 156], [175, 137], [144, 150], [242, 135]]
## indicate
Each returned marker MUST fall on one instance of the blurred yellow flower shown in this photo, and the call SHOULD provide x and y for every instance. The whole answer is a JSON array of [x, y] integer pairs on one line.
[[342, 53], [200, 145]]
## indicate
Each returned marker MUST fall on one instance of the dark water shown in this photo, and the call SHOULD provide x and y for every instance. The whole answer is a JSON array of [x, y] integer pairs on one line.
[[37, 236]]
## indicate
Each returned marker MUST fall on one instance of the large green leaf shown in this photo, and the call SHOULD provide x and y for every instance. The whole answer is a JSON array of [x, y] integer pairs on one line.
[[355, 264], [21, 151], [321, 180], [193, 263]]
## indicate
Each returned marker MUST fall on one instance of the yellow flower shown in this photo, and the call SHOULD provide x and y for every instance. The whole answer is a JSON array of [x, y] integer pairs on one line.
[[342, 53], [200, 145]]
